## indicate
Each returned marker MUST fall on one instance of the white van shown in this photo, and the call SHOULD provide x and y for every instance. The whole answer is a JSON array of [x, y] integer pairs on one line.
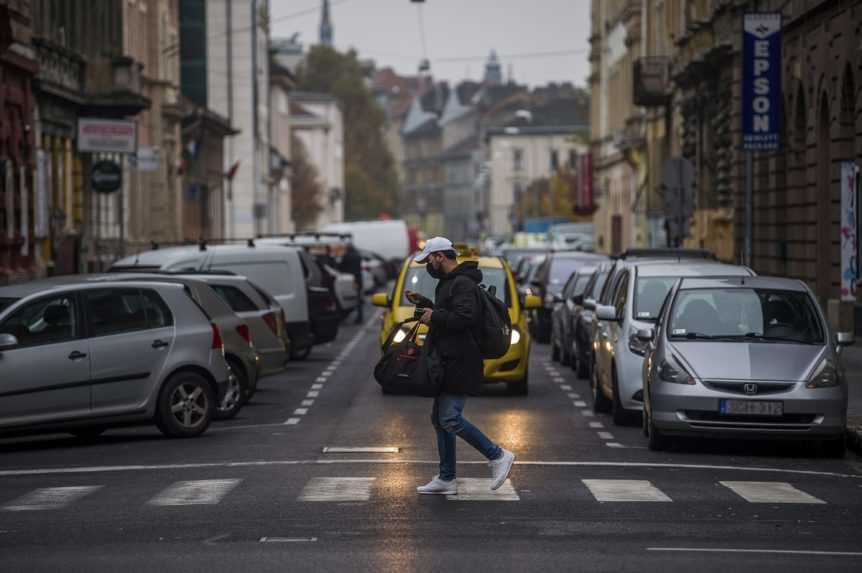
[[390, 239], [312, 316]]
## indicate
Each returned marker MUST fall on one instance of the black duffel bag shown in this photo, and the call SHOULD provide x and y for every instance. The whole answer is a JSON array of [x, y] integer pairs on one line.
[[407, 368]]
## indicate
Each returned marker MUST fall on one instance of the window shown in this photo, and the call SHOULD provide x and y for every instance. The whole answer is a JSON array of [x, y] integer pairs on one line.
[[649, 296], [158, 313], [517, 159], [114, 311], [621, 294], [418, 280], [235, 298], [49, 320], [555, 160]]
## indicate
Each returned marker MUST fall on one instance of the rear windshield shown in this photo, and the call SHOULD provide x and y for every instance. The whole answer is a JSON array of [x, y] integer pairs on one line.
[[6, 302], [236, 299], [418, 280]]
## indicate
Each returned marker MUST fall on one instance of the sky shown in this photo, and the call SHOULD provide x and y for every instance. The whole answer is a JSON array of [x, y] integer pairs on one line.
[[459, 35]]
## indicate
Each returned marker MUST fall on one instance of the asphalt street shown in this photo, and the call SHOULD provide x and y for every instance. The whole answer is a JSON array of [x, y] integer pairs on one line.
[[319, 472]]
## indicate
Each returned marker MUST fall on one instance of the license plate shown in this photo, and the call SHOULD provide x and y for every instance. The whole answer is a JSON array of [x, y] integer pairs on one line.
[[751, 407]]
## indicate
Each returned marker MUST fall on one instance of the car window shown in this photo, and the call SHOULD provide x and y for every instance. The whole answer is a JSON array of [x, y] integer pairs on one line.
[[116, 310], [6, 302], [609, 287], [560, 270], [158, 313], [597, 285], [418, 280], [650, 293], [581, 282], [235, 298], [747, 315], [621, 294], [267, 298], [49, 320], [569, 289]]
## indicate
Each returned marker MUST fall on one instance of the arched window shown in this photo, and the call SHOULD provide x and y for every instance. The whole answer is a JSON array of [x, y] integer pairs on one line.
[[824, 254]]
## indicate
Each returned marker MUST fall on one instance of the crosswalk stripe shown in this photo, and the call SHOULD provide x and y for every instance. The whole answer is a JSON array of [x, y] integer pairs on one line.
[[195, 492], [580, 404], [565, 387], [338, 489], [479, 489], [606, 435], [50, 498], [624, 490], [769, 492]]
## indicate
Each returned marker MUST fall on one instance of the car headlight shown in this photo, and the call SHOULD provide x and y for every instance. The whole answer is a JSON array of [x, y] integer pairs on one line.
[[399, 336], [825, 375], [673, 372], [516, 337], [638, 346]]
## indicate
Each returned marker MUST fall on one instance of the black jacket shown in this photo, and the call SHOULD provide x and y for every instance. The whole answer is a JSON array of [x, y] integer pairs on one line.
[[453, 326], [351, 263]]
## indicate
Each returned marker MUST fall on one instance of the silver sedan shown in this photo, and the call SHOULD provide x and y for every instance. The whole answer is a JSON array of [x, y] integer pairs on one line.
[[744, 357]]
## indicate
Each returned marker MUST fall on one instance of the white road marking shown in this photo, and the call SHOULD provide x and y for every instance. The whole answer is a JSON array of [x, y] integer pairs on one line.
[[573, 395], [321, 379], [565, 387], [337, 489], [580, 404], [287, 540], [50, 498], [300, 411], [196, 492], [596, 425], [317, 386], [624, 490], [606, 435], [587, 413], [292, 421], [479, 489], [308, 402], [312, 394], [614, 445], [769, 492], [766, 551], [361, 450]]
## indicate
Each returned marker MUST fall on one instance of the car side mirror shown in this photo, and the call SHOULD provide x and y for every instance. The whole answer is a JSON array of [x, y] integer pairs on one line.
[[846, 339], [558, 299], [645, 334], [8, 341], [578, 299], [531, 301], [589, 304], [380, 299], [606, 312]]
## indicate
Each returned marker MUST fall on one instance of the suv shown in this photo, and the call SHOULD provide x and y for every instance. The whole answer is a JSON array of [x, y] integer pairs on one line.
[[84, 357], [631, 303]]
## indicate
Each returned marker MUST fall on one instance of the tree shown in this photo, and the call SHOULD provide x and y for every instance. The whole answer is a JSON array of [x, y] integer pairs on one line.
[[370, 180], [305, 187]]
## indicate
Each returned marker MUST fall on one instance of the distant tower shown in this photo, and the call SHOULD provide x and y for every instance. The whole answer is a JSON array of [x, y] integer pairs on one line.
[[493, 70], [325, 25]]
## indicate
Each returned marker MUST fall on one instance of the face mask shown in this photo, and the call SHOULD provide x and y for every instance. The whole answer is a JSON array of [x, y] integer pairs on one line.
[[435, 274]]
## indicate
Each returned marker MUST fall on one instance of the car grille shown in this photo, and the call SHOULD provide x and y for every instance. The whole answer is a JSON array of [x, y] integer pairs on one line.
[[710, 419], [763, 388]]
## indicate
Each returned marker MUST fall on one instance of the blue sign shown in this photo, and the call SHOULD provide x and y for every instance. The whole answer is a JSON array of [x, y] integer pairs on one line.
[[761, 82]]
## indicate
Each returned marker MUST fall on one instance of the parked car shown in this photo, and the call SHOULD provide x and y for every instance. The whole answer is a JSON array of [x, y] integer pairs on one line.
[[638, 290], [563, 315], [83, 357], [547, 283], [584, 321], [284, 272], [374, 270], [513, 255], [744, 357]]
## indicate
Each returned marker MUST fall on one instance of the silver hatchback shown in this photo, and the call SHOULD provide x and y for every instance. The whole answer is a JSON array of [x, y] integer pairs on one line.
[[744, 357], [82, 357]]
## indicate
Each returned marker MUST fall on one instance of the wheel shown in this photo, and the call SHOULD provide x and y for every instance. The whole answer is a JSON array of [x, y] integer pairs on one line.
[[583, 366], [619, 414], [300, 353], [555, 351], [186, 405], [600, 402], [834, 448], [90, 433], [657, 441], [521, 388], [565, 355], [237, 392]]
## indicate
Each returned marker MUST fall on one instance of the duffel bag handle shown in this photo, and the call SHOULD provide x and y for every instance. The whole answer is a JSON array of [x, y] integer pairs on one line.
[[410, 335]]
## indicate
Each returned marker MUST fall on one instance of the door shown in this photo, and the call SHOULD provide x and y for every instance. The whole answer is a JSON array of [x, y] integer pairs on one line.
[[608, 331], [131, 336], [47, 376]]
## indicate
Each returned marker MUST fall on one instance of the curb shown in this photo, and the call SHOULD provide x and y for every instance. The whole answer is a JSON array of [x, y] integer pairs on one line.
[[854, 438]]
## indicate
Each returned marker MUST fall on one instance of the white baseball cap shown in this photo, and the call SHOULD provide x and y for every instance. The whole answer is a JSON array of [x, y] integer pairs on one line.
[[434, 245]]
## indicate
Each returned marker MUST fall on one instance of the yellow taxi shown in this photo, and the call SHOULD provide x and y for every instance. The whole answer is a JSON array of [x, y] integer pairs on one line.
[[510, 369]]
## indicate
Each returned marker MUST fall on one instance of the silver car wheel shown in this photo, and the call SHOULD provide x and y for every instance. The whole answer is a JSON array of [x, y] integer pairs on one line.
[[232, 395], [189, 405]]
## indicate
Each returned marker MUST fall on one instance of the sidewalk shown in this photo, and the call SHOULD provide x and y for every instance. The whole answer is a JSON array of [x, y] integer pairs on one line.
[[851, 358]]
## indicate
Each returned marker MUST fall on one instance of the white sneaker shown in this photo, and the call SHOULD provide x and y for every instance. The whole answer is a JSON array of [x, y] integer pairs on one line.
[[438, 486], [500, 468]]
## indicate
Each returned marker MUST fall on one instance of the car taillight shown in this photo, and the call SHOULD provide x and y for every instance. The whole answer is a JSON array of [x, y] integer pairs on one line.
[[271, 321], [218, 343], [243, 331]]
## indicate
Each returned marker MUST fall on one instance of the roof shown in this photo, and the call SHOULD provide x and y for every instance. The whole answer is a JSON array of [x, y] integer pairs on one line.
[[163, 256], [461, 149], [587, 256], [689, 269], [65, 282], [777, 283]]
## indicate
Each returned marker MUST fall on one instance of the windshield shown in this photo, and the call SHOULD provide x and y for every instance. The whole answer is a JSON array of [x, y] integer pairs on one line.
[[6, 302], [743, 314], [418, 280], [581, 283], [650, 294]]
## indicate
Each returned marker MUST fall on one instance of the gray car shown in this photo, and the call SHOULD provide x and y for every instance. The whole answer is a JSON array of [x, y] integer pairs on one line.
[[744, 357], [82, 357]]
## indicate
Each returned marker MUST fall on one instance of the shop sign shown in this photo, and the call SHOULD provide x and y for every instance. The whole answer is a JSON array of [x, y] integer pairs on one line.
[[107, 135], [106, 177], [761, 82]]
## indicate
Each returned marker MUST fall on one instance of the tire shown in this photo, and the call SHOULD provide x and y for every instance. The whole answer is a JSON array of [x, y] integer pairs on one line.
[[834, 448], [600, 403], [521, 388], [582, 366], [657, 441], [300, 353], [90, 433], [186, 389], [237, 393], [555, 351], [565, 355]]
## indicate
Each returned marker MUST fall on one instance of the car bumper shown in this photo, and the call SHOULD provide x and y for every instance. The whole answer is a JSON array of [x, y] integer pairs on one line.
[[511, 367], [678, 409]]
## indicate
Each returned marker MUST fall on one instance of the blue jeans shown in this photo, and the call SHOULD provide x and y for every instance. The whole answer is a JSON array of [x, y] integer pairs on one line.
[[448, 421]]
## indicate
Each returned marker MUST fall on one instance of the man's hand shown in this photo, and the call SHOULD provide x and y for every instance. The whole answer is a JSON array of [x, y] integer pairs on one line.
[[426, 316], [412, 296]]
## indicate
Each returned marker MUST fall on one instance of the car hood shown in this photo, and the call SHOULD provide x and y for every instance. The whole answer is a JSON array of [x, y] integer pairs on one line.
[[748, 360]]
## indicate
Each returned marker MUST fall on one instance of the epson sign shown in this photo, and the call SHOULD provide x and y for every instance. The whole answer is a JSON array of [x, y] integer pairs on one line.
[[761, 82]]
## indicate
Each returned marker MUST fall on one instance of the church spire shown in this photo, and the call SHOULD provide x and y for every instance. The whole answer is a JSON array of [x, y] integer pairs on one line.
[[325, 25], [493, 70]]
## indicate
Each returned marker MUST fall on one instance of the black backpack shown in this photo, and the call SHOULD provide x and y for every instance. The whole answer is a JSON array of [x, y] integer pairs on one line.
[[494, 333]]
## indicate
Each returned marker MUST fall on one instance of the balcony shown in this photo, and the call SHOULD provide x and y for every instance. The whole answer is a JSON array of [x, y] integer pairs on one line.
[[651, 81]]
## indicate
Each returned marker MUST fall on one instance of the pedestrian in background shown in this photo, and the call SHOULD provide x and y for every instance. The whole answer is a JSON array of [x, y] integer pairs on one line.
[[453, 321], [351, 263]]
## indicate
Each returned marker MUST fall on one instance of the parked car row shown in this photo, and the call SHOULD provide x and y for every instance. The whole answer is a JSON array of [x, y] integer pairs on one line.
[[688, 346]]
